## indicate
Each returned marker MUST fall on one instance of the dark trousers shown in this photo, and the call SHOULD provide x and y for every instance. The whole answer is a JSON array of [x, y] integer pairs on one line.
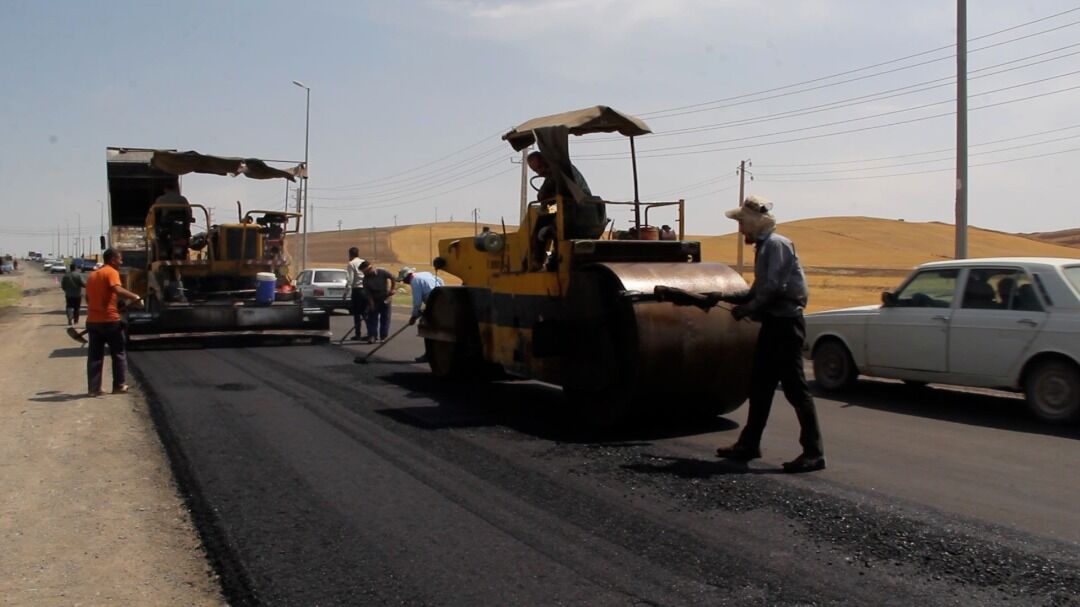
[[378, 319], [102, 334], [359, 309], [71, 306], [778, 359]]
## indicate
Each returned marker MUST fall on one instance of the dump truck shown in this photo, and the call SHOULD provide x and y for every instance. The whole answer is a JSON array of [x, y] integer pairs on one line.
[[201, 279], [559, 301]]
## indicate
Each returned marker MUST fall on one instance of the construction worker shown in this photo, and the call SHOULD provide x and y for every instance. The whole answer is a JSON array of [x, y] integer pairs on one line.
[[776, 299], [354, 283], [421, 284], [104, 325], [379, 285], [72, 285]]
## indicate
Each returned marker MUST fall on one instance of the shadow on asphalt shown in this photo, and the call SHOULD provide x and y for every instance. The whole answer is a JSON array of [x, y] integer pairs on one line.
[[76, 352], [687, 468], [1003, 412], [530, 408], [52, 396]]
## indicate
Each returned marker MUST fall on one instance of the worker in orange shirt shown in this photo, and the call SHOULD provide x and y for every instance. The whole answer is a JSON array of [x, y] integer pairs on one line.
[[104, 326]]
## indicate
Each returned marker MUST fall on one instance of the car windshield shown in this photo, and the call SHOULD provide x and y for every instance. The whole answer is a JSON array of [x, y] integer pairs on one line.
[[1073, 274], [336, 276]]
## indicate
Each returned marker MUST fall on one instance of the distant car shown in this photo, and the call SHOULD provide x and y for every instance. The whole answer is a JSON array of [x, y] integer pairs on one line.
[[324, 288], [7, 267], [1010, 323], [58, 268]]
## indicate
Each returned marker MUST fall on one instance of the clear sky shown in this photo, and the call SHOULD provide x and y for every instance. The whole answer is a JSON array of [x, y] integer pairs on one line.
[[409, 99]]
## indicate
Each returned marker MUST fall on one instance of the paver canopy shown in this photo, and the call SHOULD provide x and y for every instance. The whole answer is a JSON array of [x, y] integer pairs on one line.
[[182, 163]]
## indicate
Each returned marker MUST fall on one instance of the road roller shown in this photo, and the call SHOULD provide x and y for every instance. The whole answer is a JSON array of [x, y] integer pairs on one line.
[[559, 300]]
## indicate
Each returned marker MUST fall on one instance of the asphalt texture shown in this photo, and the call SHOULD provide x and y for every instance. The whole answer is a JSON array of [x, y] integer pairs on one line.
[[317, 481]]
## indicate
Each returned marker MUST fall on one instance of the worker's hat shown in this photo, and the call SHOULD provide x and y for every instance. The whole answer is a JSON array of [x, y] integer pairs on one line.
[[404, 273], [753, 205]]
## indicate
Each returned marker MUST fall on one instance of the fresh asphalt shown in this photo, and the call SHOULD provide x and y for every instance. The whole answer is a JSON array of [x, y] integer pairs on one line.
[[317, 481]]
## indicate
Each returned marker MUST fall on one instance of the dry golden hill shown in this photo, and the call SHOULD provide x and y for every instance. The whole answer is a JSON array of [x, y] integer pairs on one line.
[[866, 242], [850, 260], [1070, 238], [829, 242]]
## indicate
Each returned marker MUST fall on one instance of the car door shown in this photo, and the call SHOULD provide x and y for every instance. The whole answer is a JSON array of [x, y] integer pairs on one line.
[[913, 333], [303, 283], [999, 316]]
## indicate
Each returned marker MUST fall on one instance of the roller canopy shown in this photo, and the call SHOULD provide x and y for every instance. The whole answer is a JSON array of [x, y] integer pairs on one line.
[[596, 119], [182, 163]]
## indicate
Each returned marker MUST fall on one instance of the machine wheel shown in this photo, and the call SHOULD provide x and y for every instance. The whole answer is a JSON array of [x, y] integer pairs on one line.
[[834, 368], [1052, 389], [449, 311]]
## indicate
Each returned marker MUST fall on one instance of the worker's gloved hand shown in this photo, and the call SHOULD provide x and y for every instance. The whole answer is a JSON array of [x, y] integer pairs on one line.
[[413, 319], [740, 312]]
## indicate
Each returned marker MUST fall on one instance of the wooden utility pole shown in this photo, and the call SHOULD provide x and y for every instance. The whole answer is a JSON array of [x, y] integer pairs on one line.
[[742, 197], [961, 131]]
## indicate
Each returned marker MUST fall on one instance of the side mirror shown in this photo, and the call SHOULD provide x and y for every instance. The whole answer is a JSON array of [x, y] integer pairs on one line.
[[888, 299]]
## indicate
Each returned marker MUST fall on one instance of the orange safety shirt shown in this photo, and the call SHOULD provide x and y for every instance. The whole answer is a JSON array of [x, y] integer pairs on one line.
[[101, 295]]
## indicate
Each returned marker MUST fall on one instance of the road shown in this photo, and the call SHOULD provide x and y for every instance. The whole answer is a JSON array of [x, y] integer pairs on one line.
[[314, 480]]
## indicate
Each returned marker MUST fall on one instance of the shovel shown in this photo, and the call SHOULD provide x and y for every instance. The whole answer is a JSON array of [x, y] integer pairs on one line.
[[362, 360]]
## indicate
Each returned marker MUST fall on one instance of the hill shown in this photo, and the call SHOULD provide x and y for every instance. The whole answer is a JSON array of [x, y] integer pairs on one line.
[[830, 242], [1069, 238], [849, 260]]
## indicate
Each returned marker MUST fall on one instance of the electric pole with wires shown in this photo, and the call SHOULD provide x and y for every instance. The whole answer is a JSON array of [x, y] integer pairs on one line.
[[742, 196]]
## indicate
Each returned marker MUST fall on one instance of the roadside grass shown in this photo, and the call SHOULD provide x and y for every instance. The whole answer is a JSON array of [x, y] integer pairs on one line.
[[9, 294]]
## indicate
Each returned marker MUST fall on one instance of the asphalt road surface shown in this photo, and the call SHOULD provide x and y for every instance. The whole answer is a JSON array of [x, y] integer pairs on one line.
[[316, 481]]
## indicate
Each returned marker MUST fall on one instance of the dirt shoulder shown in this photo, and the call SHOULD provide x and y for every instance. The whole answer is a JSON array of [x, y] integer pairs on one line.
[[89, 513]]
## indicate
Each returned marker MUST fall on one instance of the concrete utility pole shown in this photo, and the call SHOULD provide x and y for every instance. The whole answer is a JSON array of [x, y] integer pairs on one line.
[[961, 131], [395, 221], [524, 184], [475, 221], [339, 225], [742, 197], [299, 191], [304, 183], [374, 244]]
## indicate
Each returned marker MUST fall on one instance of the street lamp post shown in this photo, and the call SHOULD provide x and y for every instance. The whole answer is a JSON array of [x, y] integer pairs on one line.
[[304, 183]]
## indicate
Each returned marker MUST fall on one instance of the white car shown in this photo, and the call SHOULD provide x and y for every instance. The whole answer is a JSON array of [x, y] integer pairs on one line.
[[1010, 323], [324, 288]]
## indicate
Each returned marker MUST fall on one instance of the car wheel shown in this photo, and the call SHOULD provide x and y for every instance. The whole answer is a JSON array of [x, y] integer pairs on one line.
[[1052, 390], [834, 368]]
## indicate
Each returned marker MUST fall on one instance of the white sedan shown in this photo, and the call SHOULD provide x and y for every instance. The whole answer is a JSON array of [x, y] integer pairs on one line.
[[1009, 323]]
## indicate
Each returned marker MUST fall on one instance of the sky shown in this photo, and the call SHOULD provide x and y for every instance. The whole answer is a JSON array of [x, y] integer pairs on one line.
[[841, 107]]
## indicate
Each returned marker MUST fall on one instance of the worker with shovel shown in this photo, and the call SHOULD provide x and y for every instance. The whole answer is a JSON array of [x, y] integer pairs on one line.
[[776, 299], [421, 284]]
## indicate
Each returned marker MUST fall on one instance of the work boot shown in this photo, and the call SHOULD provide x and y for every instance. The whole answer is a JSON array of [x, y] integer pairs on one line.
[[422, 358], [121, 389], [740, 453], [805, 463]]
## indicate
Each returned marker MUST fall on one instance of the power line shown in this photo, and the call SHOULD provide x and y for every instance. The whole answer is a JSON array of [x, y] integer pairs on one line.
[[927, 172], [425, 176], [647, 154], [670, 112], [413, 201], [859, 100], [405, 192], [916, 162]]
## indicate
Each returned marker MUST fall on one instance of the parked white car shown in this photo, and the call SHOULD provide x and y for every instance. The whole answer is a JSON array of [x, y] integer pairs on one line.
[[1011, 323], [324, 288]]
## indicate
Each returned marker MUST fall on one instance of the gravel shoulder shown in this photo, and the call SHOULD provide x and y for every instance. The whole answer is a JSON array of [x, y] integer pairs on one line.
[[89, 513]]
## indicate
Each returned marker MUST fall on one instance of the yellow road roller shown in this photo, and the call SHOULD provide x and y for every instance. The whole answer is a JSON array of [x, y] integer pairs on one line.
[[566, 300]]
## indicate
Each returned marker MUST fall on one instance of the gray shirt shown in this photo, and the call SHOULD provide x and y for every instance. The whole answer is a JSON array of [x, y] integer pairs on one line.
[[72, 284], [779, 282]]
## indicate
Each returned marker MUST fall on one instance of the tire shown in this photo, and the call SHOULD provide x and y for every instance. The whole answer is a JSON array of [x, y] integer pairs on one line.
[[1052, 390], [834, 369]]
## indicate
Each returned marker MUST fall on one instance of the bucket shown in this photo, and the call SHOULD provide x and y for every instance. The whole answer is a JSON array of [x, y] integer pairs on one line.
[[264, 288], [649, 233]]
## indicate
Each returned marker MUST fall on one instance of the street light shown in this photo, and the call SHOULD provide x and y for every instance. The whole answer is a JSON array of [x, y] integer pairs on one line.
[[304, 183]]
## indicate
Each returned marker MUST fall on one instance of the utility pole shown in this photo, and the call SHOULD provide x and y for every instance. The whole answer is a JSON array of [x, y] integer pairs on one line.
[[395, 221], [961, 130], [339, 225], [742, 196], [374, 244], [524, 184], [102, 206], [475, 221], [436, 214]]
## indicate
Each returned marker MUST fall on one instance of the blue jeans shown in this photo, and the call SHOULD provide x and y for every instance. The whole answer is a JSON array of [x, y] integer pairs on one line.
[[378, 319]]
